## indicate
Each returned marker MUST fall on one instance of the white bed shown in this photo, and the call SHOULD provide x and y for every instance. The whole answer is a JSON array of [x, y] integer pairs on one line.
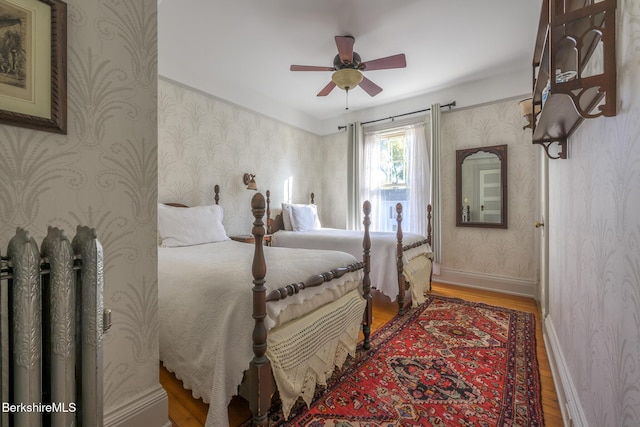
[[384, 273], [389, 275], [206, 324]]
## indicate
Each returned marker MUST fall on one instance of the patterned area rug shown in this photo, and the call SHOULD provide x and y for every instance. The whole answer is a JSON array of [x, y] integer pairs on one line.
[[448, 362]]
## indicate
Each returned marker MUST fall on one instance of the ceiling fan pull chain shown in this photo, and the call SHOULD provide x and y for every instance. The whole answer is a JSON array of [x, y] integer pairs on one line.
[[347, 103]]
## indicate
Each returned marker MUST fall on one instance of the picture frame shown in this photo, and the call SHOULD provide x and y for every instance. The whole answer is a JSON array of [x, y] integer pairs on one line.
[[33, 64]]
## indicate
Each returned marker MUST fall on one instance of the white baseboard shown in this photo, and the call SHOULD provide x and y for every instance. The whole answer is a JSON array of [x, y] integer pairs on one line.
[[489, 282], [570, 406], [150, 408]]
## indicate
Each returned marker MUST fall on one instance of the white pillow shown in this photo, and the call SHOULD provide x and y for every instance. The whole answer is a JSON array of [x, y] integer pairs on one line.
[[286, 216], [190, 226], [304, 217]]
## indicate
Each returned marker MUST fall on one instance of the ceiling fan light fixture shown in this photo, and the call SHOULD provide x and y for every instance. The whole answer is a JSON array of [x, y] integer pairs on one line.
[[347, 78]]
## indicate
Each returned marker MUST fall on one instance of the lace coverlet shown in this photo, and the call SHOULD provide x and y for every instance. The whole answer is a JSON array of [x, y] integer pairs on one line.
[[205, 307]]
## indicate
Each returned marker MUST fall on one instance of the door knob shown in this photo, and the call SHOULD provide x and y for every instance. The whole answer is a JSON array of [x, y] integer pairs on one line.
[[539, 224]]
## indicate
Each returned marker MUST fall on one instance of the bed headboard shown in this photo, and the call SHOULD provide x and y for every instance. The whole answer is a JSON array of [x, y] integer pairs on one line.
[[277, 223], [216, 189]]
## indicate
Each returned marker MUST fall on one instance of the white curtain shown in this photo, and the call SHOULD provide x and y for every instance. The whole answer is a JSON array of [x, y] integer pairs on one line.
[[354, 162], [418, 180], [372, 177], [436, 241], [417, 176]]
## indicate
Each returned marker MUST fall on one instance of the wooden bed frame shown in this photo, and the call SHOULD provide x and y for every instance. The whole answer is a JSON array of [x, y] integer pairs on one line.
[[258, 385], [277, 224]]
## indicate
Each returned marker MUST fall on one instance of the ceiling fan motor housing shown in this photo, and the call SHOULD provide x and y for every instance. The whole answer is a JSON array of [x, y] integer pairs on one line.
[[339, 65], [348, 66]]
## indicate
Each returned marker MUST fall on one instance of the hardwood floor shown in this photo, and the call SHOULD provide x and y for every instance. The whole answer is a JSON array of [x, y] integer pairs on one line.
[[185, 411]]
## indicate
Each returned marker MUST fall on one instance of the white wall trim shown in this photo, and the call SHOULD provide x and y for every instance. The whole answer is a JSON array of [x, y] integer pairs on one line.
[[149, 408], [570, 406], [489, 282]]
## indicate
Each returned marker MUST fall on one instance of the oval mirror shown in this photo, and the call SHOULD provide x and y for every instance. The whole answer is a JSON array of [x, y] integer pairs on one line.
[[481, 187]]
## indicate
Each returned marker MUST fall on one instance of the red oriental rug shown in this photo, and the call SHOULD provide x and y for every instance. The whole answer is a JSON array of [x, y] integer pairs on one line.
[[448, 362]]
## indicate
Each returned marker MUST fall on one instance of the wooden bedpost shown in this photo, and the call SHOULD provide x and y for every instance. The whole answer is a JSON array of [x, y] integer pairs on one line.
[[366, 281], [216, 190], [312, 199], [268, 193], [399, 263], [259, 385]]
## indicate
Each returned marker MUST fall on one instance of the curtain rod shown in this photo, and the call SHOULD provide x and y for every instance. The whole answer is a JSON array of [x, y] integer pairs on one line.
[[451, 104]]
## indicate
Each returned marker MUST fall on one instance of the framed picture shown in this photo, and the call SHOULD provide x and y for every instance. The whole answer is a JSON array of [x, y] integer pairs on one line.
[[33, 64]]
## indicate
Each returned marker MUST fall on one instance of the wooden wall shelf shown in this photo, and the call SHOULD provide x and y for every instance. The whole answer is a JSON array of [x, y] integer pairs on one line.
[[574, 69]]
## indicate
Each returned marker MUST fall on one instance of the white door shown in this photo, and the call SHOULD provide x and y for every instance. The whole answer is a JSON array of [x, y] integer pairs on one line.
[[490, 202]]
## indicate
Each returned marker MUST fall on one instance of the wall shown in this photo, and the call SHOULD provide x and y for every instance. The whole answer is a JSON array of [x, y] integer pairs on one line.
[[499, 259], [102, 174], [502, 260], [334, 199], [593, 328], [204, 141], [503, 85]]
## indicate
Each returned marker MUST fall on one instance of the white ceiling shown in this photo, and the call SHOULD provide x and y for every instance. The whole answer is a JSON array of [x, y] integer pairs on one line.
[[241, 50]]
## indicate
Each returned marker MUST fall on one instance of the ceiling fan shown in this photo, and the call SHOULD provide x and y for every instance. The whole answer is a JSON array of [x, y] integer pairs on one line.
[[347, 67]]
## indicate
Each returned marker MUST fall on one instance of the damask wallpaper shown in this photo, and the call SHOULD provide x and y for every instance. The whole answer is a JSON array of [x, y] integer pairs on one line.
[[102, 174], [134, 140], [594, 238], [204, 141], [500, 253]]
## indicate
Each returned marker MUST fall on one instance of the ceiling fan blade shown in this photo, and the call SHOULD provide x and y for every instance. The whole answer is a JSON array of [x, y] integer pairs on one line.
[[327, 89], [394, 61], [370, 87], [310, 68], [345, 48]]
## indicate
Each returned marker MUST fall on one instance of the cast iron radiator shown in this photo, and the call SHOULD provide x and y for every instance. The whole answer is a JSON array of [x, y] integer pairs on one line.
[[53, 320]]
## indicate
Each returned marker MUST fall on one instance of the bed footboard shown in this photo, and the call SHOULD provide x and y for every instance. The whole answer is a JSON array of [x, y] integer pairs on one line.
[[259, 385], [402, 285]]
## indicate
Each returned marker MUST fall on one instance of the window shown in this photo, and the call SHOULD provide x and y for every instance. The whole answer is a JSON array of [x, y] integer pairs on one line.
[[392, 183], [396, 170]]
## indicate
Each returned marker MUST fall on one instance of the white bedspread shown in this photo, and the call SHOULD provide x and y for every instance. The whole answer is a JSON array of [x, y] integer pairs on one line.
[[384, 272], [205, 307]]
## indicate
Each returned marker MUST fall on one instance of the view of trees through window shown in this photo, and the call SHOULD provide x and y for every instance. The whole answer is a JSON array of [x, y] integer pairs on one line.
[[392, 158]]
